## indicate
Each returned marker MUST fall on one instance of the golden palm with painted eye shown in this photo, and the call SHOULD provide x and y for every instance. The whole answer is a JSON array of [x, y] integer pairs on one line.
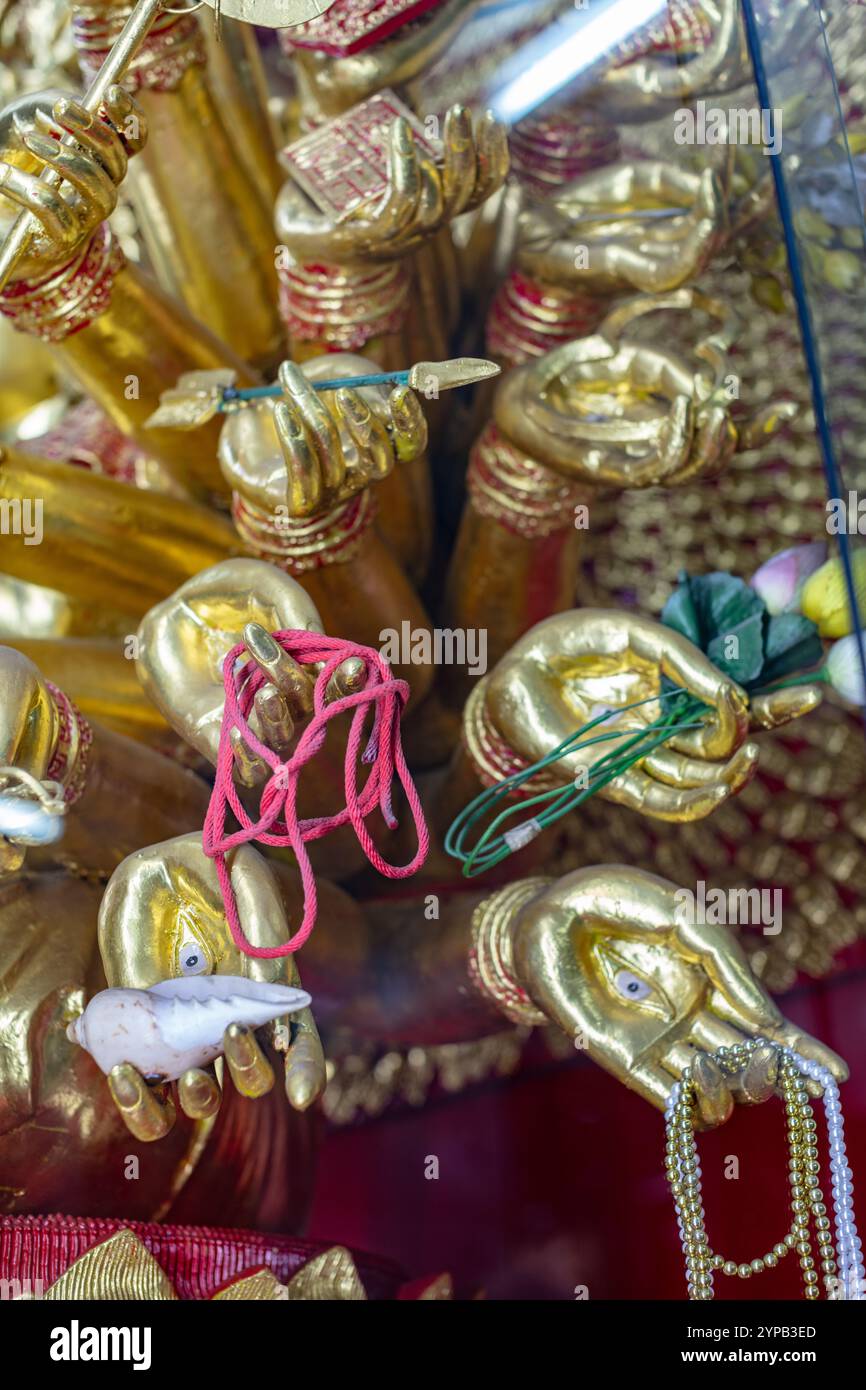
[[608, 954], [162, 917]]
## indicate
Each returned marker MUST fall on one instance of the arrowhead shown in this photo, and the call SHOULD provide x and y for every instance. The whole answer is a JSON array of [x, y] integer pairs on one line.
[[431, 377]]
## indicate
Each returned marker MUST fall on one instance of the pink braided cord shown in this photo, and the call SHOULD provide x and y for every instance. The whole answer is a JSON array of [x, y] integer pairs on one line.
[[278, 822]]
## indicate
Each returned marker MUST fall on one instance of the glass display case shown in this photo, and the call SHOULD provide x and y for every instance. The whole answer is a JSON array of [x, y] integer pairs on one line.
[[432, 681]]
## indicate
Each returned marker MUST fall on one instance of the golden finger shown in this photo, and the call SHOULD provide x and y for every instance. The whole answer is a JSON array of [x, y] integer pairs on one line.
[[290, 678], [250, 769], [250, 1069], [712, 1092], [275, 721], [349, 677], [146, 1114], [93, 135], [458, 176], [87, 177], [781, 706], [305, 1075], [634, 789], [408, 424], [375, 456], [431, 203], [757, 1082], [492, 158], [357, 415], [727, 718], [128, 119], [724, 731], [710, 1032], [199, 1094], [320, 427], [396, 213], [51, 212], [676, 770], [304, 489], [711, 448], [811, 1049], [649, 1079]]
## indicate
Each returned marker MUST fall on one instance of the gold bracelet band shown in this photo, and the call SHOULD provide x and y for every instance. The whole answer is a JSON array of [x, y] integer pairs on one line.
[[301, 544], [175, 44], [343, 308], [491, 756], [68, 764], [490, 966], [548, 151], [70, 298], [528, 318], [524, 496]]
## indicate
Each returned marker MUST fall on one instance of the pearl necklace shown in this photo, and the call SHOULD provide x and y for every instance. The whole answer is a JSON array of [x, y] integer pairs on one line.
[[841, 1267]]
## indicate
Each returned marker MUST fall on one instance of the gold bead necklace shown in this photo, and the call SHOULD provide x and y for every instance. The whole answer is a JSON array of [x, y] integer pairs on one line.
[[807, 1200]]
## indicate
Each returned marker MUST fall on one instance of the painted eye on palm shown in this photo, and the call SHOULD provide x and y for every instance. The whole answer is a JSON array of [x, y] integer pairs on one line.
[[192, 958], [631, 986]]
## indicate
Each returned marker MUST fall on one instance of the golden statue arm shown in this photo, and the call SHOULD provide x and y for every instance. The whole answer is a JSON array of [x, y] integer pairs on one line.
[[147, 331], [164, 540], [371, 281], [99, 678], [198, 199]]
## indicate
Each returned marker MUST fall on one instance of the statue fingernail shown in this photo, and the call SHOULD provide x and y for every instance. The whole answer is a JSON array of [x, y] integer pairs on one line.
[[124, 1086], [260, 644], [302, 1084]]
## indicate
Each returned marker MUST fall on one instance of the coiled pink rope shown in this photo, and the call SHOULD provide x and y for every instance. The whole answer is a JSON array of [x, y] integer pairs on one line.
[[278, 822]]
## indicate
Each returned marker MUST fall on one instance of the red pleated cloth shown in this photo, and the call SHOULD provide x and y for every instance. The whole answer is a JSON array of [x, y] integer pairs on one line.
[[198, 1260]]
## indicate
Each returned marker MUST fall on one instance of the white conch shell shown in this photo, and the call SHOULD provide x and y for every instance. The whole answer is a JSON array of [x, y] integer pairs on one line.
[[178, 1023]]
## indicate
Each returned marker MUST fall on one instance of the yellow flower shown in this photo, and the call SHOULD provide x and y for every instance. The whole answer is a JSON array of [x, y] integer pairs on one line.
[[825, 598]]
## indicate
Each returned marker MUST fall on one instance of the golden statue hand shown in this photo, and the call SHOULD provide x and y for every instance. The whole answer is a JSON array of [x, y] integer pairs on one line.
[[602, 233], [183, 642], [419, 200], [613, 956], [162, 917], [618, 413], [29, 727], [569, 668], [310, 450], [32, 131]]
